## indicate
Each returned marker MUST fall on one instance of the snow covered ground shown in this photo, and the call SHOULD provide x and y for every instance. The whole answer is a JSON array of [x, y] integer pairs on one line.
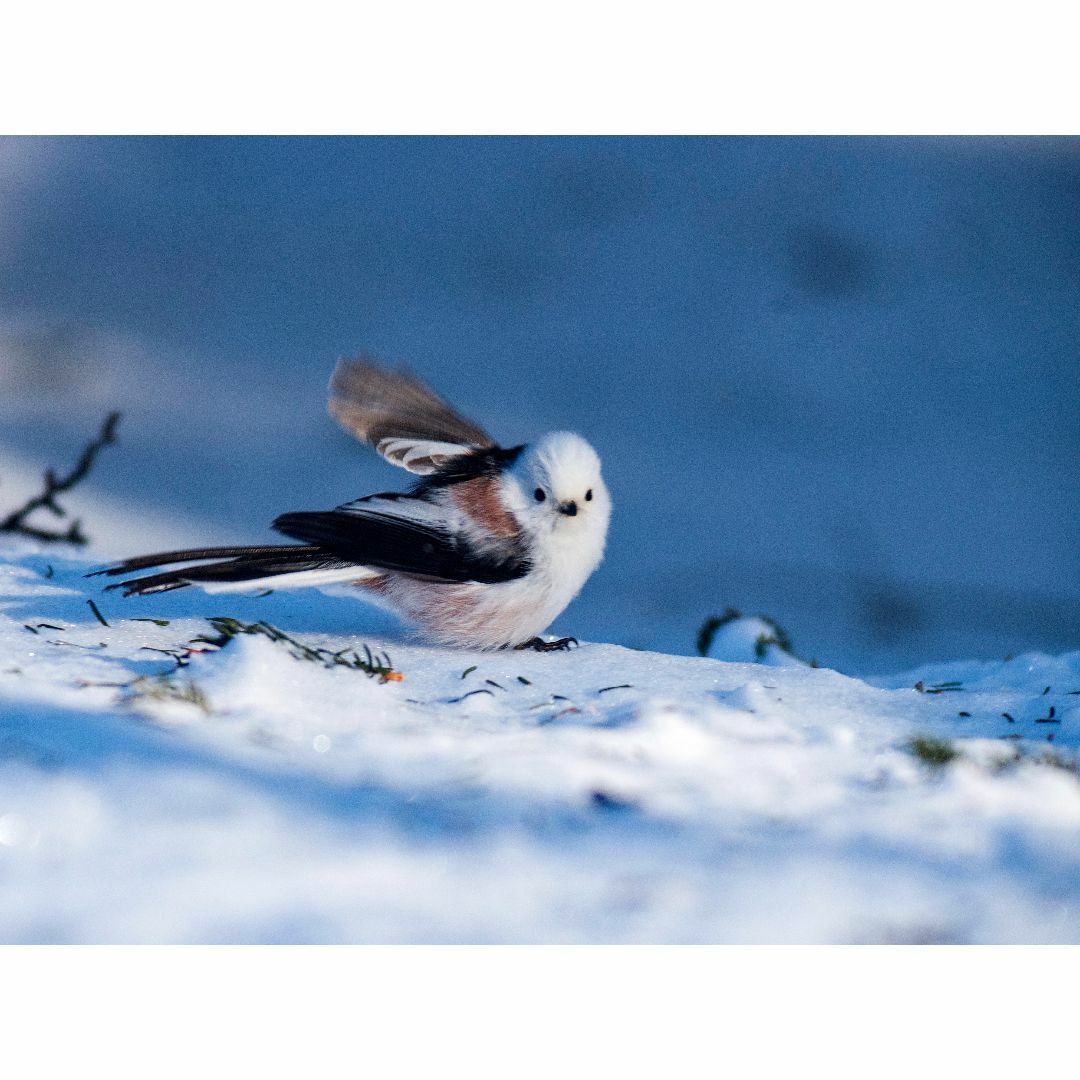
[[159, 788]]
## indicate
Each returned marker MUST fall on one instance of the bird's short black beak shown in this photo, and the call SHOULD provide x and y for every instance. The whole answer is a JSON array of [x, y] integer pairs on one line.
[[568, 508]]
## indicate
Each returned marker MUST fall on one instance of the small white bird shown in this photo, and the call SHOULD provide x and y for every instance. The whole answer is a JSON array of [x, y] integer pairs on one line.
[[484, 552]]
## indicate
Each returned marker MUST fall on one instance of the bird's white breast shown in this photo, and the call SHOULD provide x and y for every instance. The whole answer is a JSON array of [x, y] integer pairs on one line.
[[483, 616]]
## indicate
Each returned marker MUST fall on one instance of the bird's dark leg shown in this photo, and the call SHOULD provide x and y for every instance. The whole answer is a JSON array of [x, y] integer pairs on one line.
[[540, 645]]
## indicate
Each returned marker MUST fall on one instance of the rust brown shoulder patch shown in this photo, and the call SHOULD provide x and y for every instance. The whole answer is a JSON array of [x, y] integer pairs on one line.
[[479, 499]]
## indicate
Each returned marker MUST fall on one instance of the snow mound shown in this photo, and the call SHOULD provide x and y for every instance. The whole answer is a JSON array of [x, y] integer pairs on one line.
[[274, 775]]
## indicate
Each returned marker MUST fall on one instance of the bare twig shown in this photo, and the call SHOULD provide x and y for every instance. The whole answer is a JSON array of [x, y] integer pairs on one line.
[[711, 625], [379, 666], [94, 608], [55, 485]]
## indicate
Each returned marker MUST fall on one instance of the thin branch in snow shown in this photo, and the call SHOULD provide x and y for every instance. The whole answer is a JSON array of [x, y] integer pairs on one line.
[[709, 627], [379, 666], [55, 485]]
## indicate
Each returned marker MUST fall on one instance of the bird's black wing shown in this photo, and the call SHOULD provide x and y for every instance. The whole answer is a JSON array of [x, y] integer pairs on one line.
[[404, 420], [406, 536]]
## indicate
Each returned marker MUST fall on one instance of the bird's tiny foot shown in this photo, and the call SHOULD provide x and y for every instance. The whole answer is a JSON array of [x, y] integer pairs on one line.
[[540, 645]]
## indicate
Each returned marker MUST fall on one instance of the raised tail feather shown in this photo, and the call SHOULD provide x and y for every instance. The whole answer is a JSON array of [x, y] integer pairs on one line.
[[227, 565]]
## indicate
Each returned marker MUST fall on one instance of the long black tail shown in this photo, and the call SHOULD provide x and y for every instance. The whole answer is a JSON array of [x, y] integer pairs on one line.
[[228, 564]]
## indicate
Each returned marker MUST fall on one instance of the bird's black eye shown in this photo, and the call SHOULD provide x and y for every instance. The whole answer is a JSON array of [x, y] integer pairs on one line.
[[539, 495], [588, 495]]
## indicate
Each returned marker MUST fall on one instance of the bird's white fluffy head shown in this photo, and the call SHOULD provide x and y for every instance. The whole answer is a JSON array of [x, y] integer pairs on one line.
[[556, 491]]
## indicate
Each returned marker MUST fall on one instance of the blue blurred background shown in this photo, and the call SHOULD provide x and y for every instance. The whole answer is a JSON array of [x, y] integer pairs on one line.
[[833, 380]]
